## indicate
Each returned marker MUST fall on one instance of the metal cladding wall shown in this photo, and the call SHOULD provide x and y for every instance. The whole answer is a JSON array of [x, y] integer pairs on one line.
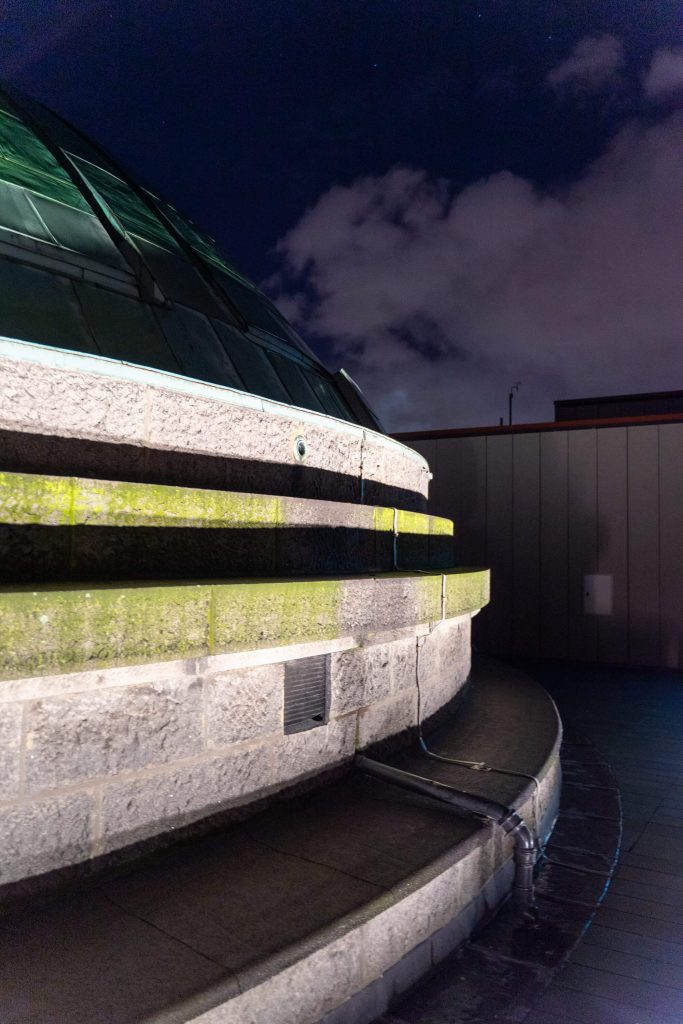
[[545, 508]]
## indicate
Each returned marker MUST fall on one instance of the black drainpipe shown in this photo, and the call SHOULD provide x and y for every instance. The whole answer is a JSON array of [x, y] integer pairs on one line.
[[507, 817]]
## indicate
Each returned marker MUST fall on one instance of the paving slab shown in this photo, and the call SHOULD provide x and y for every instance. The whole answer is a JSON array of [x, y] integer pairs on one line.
[[177, 933]]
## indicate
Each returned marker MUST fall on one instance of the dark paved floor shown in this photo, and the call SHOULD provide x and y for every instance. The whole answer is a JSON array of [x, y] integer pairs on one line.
[[628, 969]]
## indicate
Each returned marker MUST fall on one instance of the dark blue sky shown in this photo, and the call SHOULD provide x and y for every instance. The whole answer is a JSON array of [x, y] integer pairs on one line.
[[244, 111], [564, 274]]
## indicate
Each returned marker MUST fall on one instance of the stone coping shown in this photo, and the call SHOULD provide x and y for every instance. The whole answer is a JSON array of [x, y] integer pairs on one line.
[[36, 499], [50, 391], [288, 915], [68, 627]]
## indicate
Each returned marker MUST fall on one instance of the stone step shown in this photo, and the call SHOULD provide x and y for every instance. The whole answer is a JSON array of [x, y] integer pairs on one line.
[[71, 528], [349, 892]]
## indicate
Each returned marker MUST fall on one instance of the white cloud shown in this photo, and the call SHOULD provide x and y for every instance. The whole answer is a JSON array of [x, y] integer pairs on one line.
[[594, 63], [665, 74], [437, 301]]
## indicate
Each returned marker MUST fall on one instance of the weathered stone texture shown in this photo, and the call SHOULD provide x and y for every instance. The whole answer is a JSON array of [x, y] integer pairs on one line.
[[197, 424], [394, 464], [256, 614], [66, 628], [197, 533], [146, 806], [111, 731], [295, 994], [358, 677], [42, 835], [443, 647], [47, 400], [403, 655], [10, 749], [193, 423], [366, 674], [244, 704], [466, 589], [358, 599], [387, 717], [418, 915], [443, 664], [101, 733], [310, 751], [395, 602], [327, 447]]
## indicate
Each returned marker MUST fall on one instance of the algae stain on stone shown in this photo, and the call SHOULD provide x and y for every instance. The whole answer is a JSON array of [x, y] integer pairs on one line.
[[113, 503], [64, 630], [440, 527], [466, 590], [272, 613], [65, 501], [383, 519], [31, 499]]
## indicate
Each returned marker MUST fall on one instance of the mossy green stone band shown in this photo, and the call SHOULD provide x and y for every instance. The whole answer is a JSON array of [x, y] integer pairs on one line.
[[32, 499], [65, 628]]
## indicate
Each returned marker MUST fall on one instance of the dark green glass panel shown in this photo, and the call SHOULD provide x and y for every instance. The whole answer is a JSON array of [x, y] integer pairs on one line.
[[197, 347], [125, 329], [194, 236], [252, 364], [24, 160], [38, 306], [329, 399], [126, 206], [254, 307], [179, 281], [79, 231], [300, 391], [18, 214]]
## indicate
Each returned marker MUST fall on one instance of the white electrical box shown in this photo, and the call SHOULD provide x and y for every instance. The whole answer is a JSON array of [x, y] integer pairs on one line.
[[598, 593]]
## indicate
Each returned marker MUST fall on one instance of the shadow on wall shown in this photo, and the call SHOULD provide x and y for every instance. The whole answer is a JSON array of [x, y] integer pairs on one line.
[[66, 456], [40, 553]]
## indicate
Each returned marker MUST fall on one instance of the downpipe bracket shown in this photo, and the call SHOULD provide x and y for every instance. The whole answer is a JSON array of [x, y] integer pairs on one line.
[[507, 818]]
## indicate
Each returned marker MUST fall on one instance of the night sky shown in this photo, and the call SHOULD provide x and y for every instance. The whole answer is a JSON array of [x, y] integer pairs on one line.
[[446, 197]]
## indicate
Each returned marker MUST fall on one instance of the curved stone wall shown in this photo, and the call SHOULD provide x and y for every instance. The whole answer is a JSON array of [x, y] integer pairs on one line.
[[99, 760], [150, 624], [71, 413]]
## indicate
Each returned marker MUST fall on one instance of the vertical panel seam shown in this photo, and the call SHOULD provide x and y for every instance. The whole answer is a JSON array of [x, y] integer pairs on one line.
[[628, 547], [514, 647], [539, 510], [567, 596], [659, 548]]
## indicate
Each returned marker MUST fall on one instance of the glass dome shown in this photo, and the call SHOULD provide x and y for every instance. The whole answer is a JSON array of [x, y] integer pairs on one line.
[[92, 262]]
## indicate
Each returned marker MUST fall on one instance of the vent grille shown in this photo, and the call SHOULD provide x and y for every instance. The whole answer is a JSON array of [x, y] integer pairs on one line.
[[306, 693]]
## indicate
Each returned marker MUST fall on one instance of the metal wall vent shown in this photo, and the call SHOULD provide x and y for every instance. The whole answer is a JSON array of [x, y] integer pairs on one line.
[[306, 693]]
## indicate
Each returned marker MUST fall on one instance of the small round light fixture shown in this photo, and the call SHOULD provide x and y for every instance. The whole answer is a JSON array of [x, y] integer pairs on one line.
[[300, 449]]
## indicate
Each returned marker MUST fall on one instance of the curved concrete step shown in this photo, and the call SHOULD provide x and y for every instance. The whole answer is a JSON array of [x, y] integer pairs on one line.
[[505, 968], [349, 892]]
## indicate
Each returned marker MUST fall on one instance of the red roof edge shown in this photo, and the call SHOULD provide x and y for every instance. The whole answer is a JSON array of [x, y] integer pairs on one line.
[[540, 428]]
